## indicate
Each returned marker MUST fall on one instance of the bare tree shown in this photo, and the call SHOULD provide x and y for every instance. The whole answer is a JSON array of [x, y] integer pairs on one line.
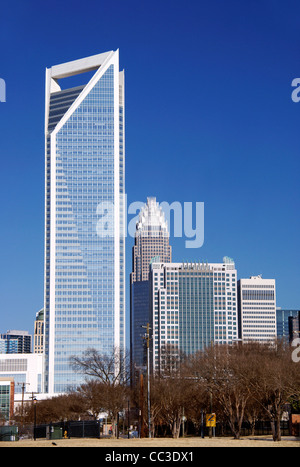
[[198, 401], [253, 413], [110, 369], [275, 380], [111, 372], [218, 370], [171, 360], [168, 401], [65, 407], [244, 376], [169, 389], [92, 397]]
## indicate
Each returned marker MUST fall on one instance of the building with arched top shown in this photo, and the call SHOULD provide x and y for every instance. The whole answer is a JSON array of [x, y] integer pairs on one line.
[[151, 244]]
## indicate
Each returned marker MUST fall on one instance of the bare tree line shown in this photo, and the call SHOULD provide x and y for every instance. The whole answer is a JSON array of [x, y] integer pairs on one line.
[[242, 382]]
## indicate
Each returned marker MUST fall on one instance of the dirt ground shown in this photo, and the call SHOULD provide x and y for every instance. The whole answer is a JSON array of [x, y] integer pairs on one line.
[[157, 443]]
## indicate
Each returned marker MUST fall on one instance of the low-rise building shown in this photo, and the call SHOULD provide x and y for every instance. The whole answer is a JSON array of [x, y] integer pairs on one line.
[[7, 386], [26, 370]]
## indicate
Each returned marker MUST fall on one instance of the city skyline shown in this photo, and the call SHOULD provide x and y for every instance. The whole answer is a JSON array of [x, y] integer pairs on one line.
[[235, 146]]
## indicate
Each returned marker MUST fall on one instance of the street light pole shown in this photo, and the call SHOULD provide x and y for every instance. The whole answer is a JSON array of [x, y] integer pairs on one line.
[[148, 369], [22, 406], [147, 337], [128, 421], [34, 428], [202, 424]]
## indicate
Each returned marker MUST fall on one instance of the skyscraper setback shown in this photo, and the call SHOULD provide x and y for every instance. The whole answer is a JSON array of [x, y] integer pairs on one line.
[[84, 215]]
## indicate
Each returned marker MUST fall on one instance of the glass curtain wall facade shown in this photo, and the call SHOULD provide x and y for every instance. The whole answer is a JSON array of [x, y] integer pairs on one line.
[[84, 225], [15, 342], [182, 304], [282, 318], [6, 398], [196, 304]]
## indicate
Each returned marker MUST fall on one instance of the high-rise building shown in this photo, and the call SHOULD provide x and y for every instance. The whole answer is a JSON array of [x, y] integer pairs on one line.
[[151, 244], [38, 336], [294, 328], [192, 305], [84, 214], [283, 317], [15, 342], [151, 240], [257, 309]]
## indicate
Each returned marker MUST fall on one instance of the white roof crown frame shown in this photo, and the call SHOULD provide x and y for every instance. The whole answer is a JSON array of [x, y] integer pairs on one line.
[[76, 67]]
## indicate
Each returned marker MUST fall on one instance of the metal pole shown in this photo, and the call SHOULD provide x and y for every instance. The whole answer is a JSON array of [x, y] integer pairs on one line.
[[128, 421], [142, 425], [34, 428], [202, 424], [210, 428], [148, 371], [147, 337]]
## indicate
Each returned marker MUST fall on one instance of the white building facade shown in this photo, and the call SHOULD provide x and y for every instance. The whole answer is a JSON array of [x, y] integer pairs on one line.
[[192, 306], [257, 309], [27, 371]]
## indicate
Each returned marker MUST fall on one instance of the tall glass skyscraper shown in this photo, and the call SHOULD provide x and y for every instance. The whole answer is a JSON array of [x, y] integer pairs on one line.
[[84, 215]]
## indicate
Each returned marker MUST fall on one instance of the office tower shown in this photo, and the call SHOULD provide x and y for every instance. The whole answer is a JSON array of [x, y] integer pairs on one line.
[[257, 309], [282, 318], [151, 243], [84, 214], [193, 305], [151, 240], [38, 336], [15, 342], [294, 327], [225, 301]]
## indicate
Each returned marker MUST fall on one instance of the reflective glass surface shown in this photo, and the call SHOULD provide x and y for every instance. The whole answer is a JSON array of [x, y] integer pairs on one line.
[[85, 248]]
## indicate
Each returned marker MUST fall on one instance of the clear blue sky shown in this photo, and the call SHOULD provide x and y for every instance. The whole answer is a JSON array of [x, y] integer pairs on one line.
[[209, 117]]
